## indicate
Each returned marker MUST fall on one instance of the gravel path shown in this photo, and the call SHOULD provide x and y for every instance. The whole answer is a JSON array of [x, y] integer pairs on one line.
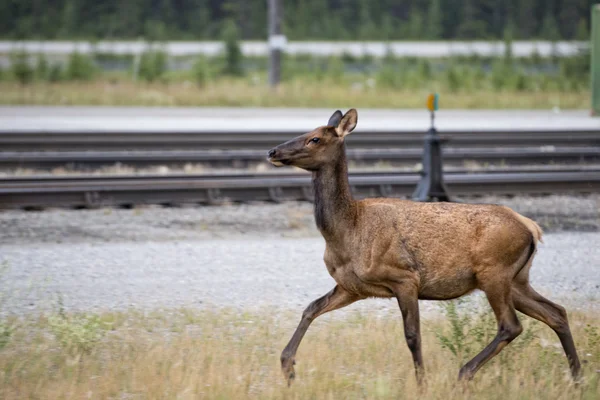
[[241, 256], [239, 273]]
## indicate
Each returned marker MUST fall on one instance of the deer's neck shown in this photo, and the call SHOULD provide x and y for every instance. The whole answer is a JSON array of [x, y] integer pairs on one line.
[[335, 209]]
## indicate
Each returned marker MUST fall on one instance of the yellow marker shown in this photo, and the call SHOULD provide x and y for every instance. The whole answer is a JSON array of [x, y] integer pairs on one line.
[[432, 102]]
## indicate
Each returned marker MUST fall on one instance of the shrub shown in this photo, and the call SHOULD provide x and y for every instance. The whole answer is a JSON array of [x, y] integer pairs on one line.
[[233, 52], [56, 73], [77, 334], [202, 71], [41, 68], [20, 67], [80, 67], [453, 79], [335, 69], [153, 65], [389, 77], [470, 332]]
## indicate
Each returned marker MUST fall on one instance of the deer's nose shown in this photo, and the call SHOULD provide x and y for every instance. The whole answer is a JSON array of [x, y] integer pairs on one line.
[[272, 153]]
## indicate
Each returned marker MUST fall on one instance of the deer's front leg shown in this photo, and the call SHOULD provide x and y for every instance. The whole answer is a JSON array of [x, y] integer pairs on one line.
[[408, 300], [336, 298]]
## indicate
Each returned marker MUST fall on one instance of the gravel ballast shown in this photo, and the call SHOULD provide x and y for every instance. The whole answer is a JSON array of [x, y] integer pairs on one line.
[[237, 273], [239, 256]]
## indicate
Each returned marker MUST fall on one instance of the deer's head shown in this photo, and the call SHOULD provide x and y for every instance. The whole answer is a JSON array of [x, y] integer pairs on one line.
[[317, 148]]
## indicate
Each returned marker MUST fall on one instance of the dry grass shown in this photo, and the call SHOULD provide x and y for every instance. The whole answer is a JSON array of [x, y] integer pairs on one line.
[[230, 355], [300, 93]]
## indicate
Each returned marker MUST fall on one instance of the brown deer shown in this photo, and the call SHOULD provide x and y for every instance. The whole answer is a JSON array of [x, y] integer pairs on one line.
[[383, 247]]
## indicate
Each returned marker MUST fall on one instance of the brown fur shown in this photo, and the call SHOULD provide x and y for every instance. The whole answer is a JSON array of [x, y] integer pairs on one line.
[[397, 248]]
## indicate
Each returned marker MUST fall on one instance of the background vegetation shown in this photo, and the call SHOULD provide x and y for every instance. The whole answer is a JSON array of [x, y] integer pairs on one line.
[[304, 19]]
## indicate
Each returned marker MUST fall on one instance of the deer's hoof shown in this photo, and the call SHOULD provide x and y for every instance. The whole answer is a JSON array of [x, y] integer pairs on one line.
[[465, 374], [287, 367]]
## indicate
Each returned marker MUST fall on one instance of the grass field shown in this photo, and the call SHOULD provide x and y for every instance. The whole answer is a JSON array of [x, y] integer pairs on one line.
[[186, 354], [298, 93]]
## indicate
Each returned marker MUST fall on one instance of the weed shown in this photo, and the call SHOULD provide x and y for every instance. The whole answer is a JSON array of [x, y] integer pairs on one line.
[[470, 332], [78, 334], [20, 67]]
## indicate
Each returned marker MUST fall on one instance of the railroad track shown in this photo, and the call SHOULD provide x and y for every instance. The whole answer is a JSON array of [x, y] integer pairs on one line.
[[95, 159], [207, 140], [102, 191]]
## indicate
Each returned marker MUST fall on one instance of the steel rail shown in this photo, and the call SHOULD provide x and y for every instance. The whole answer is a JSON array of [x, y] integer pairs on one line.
[[206, 140], [95, 159], [101, 191]]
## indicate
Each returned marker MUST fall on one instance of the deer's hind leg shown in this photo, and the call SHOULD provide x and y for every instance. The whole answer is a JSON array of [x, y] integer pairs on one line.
[[533, 304], [335, 299], [498, 292]]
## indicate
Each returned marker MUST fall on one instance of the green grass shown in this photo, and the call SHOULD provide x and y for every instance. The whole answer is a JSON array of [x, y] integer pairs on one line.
[[296, 93]]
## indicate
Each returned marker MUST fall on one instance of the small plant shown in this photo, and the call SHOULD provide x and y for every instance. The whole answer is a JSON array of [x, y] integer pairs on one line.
[[389, 77], [153, 65], [42, 68], [55, 74], [202, 71], [6, 331], [80, 67], [470, 333], [453, 79], [6, 328], [20, 67], [78, 334]]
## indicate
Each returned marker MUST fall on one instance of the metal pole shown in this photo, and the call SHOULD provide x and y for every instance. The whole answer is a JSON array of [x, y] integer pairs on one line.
[[595, 67], [276, 41]]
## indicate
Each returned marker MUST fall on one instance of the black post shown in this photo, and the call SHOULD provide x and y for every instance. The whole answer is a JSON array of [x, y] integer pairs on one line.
[[431, 187], [276, 41]]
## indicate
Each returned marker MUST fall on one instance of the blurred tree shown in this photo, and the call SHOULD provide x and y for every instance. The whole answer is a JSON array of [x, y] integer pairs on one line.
[[526, 21], [233, 52], [549, 30], [569, 17], [304, 19], [582, 32], [415, 24], [472, 26], [434, 27]]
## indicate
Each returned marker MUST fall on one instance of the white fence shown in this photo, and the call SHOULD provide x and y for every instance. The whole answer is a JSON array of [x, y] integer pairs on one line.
[[256, 48]]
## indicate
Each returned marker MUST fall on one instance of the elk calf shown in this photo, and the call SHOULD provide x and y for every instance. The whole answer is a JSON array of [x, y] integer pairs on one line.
[[384, 247]]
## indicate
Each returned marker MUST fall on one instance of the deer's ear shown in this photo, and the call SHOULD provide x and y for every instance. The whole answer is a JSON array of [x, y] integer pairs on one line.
[[335, 119], [348, 123]]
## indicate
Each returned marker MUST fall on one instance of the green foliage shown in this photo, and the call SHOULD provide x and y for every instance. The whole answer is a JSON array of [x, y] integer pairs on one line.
[[80, 67], [202, 71], [453, 78], [582, 32], [42, 68], [21, 69], [435, 27], [233, 52], [153, 65], [55, 73], [78, 334], [508, 43], [470, 332], [6, 326], [159, 20], [549, 29], [390, 77], [6, 331], [500, 75]]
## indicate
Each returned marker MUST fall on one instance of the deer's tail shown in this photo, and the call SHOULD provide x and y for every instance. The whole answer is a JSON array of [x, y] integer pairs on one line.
[[533, 227]]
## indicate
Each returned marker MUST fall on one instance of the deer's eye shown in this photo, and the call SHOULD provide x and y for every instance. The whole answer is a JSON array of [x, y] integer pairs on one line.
[[315, 140]]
